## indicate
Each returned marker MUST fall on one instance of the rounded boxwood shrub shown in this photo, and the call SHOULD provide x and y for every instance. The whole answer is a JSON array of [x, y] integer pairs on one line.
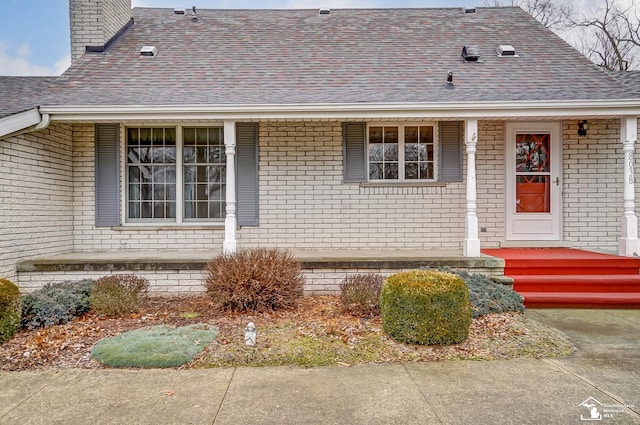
[[9, 309], [425, 307], [254, 280]]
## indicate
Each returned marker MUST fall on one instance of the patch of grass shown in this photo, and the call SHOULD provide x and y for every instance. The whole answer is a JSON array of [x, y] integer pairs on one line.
[[293, 343], [189, 315], [154, 347], [284, 345]]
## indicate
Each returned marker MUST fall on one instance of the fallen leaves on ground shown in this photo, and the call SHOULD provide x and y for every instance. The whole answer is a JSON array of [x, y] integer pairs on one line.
[[316, 319]]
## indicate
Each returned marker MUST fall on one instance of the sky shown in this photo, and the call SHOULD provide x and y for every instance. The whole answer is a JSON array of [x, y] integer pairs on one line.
[[34, 34]]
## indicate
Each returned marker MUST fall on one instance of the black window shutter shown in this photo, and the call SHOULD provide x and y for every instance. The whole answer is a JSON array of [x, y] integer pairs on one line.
[[247, 173], [107, 175], [450, 151], [353, 151]]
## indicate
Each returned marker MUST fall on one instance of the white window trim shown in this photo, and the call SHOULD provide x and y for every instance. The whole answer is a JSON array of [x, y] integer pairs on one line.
[[124, 180], [401, 162]]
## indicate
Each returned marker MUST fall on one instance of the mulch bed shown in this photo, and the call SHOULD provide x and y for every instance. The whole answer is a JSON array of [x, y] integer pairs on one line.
[[69, 345]]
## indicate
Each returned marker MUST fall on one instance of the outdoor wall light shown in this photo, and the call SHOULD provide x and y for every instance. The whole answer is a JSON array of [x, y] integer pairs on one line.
[[450, 77], [582, 128]]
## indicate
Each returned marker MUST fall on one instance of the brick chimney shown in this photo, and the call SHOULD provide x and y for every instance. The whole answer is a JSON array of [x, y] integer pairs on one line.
[[95, 22]]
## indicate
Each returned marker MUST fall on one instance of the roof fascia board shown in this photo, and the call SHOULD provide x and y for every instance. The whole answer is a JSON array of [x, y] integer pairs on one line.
[[347, 111], [16, 122]]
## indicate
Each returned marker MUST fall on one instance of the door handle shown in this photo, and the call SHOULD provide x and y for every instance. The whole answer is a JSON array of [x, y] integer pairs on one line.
[[557, 181]]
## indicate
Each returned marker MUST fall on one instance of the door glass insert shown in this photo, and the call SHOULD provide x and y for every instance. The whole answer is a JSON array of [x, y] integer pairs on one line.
[[533, 173]]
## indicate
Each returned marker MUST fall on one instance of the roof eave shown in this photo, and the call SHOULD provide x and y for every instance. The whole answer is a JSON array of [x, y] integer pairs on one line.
[[483, 110], [20, 121]]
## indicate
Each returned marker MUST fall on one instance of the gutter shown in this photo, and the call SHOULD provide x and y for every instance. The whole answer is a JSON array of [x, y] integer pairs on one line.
[[442, 110], [23, 122]]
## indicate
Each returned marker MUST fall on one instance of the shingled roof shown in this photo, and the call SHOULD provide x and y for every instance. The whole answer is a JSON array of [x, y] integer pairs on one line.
[[19, 94], [285, 57], [351, 55]]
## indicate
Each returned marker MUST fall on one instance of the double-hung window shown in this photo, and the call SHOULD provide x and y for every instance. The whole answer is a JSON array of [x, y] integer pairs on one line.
[[175, 174], [402, 152]]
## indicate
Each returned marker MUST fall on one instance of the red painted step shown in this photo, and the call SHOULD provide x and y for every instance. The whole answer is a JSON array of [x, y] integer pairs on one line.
[[576, 283], [559, 277], [581, 300]]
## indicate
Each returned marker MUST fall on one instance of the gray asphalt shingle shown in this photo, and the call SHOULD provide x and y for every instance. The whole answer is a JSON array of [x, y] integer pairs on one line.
[[352, 55]]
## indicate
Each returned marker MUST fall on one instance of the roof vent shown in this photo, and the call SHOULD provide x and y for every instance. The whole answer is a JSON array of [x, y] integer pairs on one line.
[[178, 11], [470, 10], [471, 53], [149, 51], [506, 50], [324, 12]]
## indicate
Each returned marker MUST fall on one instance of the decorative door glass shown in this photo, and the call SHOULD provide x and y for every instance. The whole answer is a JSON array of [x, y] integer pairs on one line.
[[533, 173]]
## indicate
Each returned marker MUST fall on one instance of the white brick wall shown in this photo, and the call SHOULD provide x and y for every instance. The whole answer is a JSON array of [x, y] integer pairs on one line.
[[47, 200], [490, 182], [305, 205], [593, 186], [94, 22], [163, 282], [36, 196], [87, 237]]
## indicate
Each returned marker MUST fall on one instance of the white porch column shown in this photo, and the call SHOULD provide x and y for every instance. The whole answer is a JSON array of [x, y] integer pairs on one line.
[[230, 244], [629, 245], [471, 244]]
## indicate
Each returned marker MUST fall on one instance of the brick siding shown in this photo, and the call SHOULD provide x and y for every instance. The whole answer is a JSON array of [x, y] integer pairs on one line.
[[94, 22], [36, 196]]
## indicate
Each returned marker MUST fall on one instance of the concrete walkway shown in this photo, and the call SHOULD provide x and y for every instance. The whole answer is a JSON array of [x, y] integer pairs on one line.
[[606, 369]]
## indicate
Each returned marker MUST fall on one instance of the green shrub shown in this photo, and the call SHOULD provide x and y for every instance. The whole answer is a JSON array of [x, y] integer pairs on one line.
[[9, 309], [118, 294], [360, 294], [254, 280], [425, 307], [488, 296], [56, 303], [155, 346]]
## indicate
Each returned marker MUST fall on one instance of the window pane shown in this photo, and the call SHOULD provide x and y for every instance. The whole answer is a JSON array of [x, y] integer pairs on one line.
[[532, 153], [391, 135], [411, 134], [189, 136], [411, 171], [201, 136], [217, 173], [426, 171], [390, 152], [145, 136], [134, 210], [375, 152], [151, 172], [391, 171], [426, 134], [189, 154], [375, 134], [204, 182], [411, 152], [133, 135], [375, 171]]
